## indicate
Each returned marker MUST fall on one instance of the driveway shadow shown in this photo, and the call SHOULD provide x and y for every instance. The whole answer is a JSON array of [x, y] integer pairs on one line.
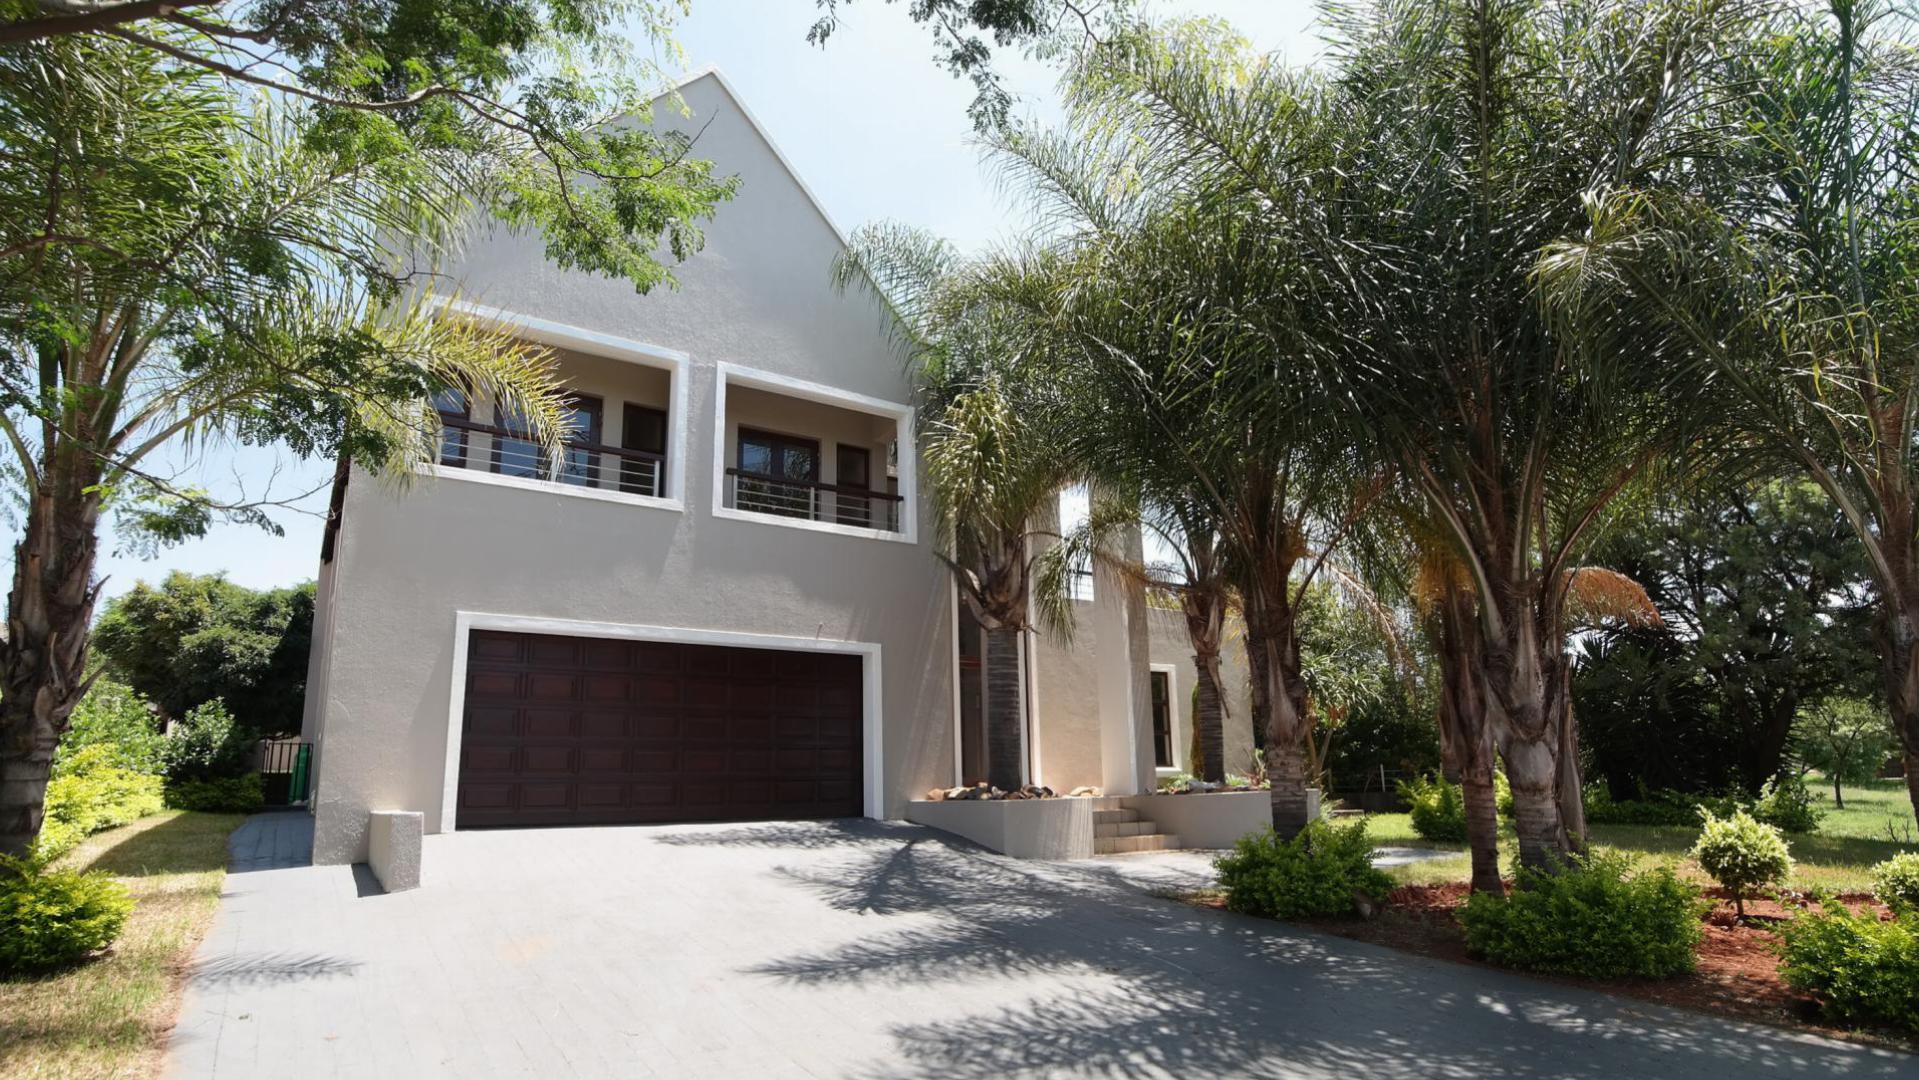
[[1103, 979]]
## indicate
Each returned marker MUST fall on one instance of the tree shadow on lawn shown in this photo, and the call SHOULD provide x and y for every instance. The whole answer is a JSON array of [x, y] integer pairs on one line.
[[185, 843], [1101, 978]]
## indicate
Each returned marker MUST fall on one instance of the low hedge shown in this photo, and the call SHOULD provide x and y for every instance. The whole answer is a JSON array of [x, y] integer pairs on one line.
[[90, 793], [224, 795], [1594, 917], [1321, 871], [1859, 967]]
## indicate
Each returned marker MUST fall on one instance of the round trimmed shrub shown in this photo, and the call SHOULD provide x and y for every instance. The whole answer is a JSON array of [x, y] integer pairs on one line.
[[1593, 917], [1742, 854], [1438, 809], [1322, 871], [53, 918], [1786, 803], [1896, 881]]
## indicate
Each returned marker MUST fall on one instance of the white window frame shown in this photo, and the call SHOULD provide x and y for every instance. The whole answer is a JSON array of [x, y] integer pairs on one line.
[[902, 416], [465, 622], [1173, 711], [593, 343]]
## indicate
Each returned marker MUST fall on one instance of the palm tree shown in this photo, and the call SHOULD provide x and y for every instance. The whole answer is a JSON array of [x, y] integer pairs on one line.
[[992, 441], [178, 267], [1787, 278], [1408, 203], [1191, 329]]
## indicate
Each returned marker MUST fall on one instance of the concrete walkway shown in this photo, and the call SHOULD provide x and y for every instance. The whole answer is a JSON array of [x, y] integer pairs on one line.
[[867, 950]]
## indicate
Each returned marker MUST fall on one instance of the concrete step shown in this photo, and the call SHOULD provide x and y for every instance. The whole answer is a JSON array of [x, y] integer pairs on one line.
[[1124, 828], [1114, 817], [1119, 845]]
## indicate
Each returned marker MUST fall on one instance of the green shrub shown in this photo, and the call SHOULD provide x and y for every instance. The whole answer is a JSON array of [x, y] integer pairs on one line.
[[1438, 808], [90, 794], [1675, 808], [51, 918], [1321, 871], [1859, 967], [1896, 881], [1502, 795], [226, 795], [1594, 917], [1787, 804], [1743, 854], [208, 744], [114, 716]]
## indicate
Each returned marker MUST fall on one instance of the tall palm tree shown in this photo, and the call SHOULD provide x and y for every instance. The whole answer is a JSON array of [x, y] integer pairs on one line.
[[1411, 200], [1192, 327], [1789, 278], [992, 440]]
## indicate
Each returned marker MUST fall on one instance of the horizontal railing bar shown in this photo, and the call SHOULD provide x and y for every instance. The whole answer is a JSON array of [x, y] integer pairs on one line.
[[838, 489], [571, 444]]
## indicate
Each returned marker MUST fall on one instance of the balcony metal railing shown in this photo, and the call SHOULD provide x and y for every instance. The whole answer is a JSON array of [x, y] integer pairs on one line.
[[580, 463], [812, 500]]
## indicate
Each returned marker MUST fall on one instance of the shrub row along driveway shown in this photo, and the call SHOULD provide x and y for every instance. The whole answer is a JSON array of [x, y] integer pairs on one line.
[[861, 949]]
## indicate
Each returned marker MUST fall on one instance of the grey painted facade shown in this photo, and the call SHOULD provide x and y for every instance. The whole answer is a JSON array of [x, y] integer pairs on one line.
[[755, 335]]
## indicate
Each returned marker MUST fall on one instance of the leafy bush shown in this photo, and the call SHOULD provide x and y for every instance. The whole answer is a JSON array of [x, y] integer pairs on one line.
[[209, 745], [1743, 854], [226, 795], [1859, 967], [114, 716], [1896, 881], [90, 794], [1593, 917], [1654, 807], [1438, 808], [51, 918], [1787, 804], [1319, 872]]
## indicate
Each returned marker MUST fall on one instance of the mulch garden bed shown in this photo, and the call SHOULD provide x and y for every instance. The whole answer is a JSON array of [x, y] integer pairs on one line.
[[1738, 972]]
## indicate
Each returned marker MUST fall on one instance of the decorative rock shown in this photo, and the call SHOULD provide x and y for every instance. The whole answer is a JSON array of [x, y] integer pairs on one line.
[[1084, 790]]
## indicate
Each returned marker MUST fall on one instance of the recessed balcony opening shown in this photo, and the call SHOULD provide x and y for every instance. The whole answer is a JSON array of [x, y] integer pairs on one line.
[[621, 426], [797, 458]]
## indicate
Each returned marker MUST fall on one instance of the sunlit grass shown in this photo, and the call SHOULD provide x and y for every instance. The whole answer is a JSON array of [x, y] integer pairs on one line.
[[109, 1017], [1876, 824]]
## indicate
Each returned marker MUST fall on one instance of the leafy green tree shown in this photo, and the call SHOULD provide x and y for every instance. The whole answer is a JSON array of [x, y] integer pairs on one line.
[[182, 260], [1846, 738], [1787, 277], [201, 637], [1767, 600]]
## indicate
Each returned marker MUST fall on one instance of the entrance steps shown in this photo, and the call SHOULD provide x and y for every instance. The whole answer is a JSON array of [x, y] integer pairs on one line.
[[1117, 830]]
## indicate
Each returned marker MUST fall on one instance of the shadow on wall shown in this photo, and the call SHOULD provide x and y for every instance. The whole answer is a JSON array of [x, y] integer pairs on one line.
[[1194, 992]]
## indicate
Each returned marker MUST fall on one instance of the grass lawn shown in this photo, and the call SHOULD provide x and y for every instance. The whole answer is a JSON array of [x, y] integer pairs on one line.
[[109, 1017], [1876, 824]]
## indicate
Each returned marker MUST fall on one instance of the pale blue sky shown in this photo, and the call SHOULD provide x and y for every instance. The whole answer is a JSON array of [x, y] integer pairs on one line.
[[876, 128]]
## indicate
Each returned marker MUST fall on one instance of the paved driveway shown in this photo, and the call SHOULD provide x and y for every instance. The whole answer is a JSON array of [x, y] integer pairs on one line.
[[861, 949]]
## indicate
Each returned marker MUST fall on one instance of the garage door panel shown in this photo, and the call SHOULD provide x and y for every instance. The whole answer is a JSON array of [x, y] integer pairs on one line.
[[548, 723], [578, 730]]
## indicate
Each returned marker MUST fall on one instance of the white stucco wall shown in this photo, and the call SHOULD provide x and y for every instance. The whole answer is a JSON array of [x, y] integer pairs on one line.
[[758, 297]]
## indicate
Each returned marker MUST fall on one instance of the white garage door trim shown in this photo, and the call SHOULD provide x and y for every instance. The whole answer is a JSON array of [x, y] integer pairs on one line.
[[465, 622]]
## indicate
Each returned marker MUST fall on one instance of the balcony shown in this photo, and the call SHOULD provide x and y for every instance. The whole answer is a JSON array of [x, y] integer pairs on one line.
[[621, 442], [811, 456]]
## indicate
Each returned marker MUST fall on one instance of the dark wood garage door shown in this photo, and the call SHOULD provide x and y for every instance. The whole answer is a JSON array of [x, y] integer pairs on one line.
[[581, 731]]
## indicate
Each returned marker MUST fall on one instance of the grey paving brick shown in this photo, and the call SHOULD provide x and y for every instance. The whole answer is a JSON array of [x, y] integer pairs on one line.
[[867, 950]]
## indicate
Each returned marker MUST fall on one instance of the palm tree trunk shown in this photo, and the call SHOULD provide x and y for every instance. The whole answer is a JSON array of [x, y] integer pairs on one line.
[[1522, 678], [1572, 785], [1272, 650], [44, 656], [1465, 739], [1004, 711], [1209, 719], [1899, 652]]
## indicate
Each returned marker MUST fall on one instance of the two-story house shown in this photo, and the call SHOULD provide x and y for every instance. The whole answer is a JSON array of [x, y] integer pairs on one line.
[[722, 602]]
